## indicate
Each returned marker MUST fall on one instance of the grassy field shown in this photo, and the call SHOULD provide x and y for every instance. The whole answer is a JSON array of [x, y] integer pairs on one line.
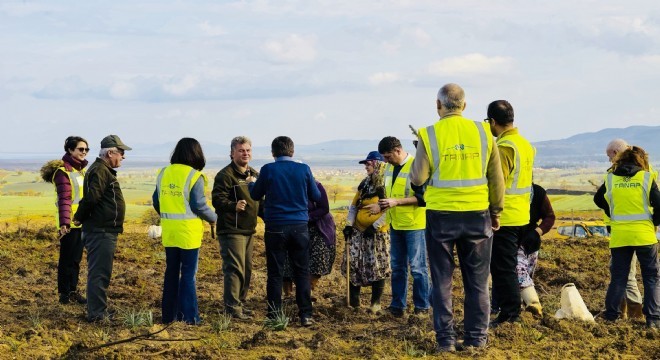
[[33, 325], [22, 193]]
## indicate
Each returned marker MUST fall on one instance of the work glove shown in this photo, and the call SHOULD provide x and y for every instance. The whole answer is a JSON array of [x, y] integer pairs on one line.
[[348, 231], [369, 231], [531, 242]]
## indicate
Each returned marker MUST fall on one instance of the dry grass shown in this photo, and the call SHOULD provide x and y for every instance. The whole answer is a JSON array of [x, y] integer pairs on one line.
[[34, 325]]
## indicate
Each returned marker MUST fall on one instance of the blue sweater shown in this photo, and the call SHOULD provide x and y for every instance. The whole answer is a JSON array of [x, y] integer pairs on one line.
[[287, 186]]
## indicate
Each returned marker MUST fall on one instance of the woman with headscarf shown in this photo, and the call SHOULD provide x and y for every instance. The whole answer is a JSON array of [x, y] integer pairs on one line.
[[367, 236]]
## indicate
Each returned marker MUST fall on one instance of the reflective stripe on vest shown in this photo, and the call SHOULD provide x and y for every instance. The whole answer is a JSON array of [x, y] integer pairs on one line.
[[435, 177], [409, 217], [514, 189], [76, 179], [458, 151], [614, 212], [189, 214]]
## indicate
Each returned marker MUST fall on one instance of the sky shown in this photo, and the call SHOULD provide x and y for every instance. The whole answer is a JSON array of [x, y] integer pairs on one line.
[[155, 71]]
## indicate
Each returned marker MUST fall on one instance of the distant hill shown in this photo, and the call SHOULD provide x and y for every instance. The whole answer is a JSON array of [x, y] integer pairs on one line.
[[589, 148], [581, 150]]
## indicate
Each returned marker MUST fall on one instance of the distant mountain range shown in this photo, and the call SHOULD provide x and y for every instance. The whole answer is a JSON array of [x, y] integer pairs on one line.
[[584, 150]]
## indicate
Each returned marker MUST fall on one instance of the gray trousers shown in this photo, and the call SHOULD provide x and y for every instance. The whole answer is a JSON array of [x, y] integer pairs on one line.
[[100, 255], [472, 235], [236, 253]]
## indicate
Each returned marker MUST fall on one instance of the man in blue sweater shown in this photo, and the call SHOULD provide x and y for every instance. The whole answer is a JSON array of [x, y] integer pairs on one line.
[[287, 185]]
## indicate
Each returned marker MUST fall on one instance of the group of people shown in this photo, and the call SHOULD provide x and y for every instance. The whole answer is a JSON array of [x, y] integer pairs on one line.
[[468, 189]]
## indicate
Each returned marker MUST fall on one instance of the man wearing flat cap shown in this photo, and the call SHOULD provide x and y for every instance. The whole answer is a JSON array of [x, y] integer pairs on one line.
[[101, 213]]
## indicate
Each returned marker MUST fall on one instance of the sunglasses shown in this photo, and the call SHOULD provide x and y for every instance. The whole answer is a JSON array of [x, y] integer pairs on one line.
[[82, 149]]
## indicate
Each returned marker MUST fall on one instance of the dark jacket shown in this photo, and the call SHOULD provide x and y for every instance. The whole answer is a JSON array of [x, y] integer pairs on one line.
[[630, 170], [229, 187], [288, 187], [102, 208]]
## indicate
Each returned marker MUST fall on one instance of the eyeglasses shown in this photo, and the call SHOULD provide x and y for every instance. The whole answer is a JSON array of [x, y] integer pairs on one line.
[[487, 120], [82, 149]]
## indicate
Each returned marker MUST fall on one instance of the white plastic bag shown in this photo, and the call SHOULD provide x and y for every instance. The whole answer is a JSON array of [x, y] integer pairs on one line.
[[572, 305], [154, 231]]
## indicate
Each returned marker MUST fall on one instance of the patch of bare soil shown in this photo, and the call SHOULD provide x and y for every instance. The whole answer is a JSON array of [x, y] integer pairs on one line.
[[33, 325]]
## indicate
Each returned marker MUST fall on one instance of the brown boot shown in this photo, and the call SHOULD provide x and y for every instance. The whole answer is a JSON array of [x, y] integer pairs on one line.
[[634, 310], [313, 282], [624, 309]]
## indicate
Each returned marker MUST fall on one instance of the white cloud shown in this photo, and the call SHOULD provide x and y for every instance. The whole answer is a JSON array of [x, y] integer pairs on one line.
[[181, 86], [123, 90], [471, 64], [212, 30], [292, 49], [419, 36], [381, 78]]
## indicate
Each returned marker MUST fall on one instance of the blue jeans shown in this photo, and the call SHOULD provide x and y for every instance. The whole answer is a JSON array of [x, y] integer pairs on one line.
[[291, 239], [179, 290], [471, 233], [619, 270], [409, 247]]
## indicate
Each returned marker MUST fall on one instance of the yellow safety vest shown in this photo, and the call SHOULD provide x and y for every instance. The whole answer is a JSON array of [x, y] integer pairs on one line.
[[76, 179], [631, 217], [519, 183], [654, 177], [458, 150], [409, 217], [182, 228]]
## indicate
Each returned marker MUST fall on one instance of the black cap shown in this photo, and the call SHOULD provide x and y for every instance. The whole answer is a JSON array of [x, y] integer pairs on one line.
[[111, 141]]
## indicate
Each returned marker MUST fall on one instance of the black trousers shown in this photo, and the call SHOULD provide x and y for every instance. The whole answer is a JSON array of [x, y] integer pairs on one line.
[[503, 270], [292, 240], [68, 266]]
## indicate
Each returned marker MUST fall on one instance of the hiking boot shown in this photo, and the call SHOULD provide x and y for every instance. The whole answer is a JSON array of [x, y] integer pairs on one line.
[[306, 322], [396, 312], [634, 310], [504, 319], [653, 324], [445, 349], [240, 315], [419, 311], [64, 299], [535, 309], [247, 311], [77, 297], [462, 346]]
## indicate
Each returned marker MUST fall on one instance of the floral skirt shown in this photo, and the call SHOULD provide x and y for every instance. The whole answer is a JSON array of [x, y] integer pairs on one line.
[[321, 255], [525, 267], [370, 258]]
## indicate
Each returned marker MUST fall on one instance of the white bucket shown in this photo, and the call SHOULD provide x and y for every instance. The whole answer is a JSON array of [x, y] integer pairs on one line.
[[572, 305], [154, 231]]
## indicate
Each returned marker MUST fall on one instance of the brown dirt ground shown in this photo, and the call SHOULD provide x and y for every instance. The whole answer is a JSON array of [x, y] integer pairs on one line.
[[33, 325]]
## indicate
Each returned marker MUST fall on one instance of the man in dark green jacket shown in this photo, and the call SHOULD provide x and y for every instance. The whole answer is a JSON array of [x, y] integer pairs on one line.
[[101, 212], [237, 220]]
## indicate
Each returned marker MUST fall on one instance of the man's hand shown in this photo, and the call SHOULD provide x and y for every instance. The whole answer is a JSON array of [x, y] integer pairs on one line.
[[64, 229], [240, 205], [76, 222], [373, 208], [495, 222], [387, 203]]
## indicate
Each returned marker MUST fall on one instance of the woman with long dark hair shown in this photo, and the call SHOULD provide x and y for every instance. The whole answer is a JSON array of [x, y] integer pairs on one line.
[[179, 199]]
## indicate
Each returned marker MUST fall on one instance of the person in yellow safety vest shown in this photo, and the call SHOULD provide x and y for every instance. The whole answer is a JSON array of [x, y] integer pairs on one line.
[[179, 199], [631, 306], [406, 214], [517, 159], [630, 197], [68, 175], [464, 196]]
